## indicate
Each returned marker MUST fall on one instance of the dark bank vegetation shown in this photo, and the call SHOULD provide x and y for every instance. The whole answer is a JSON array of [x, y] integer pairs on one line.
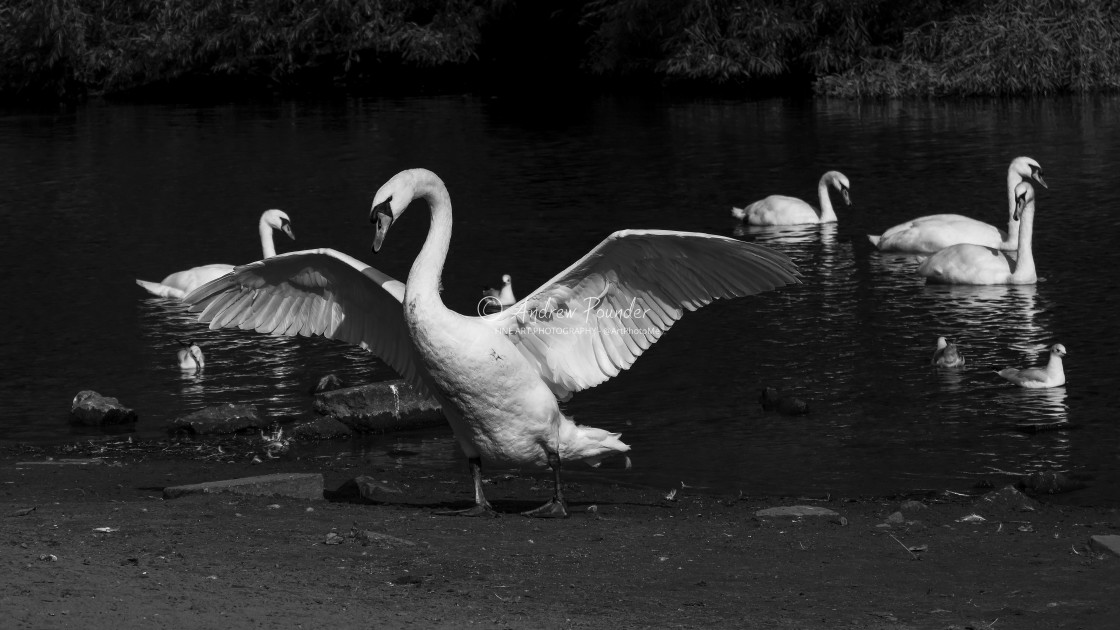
[[69, 49]]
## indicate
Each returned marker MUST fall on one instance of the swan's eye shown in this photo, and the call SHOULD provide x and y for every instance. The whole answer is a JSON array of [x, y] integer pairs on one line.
[[381, 208]]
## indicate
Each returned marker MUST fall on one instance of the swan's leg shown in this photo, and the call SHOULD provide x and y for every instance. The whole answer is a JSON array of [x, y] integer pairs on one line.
[[481, 505], [555, 508]]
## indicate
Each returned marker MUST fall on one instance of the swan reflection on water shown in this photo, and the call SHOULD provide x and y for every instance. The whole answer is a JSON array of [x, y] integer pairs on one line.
[[814, 247], [984, 315], [824, 233]]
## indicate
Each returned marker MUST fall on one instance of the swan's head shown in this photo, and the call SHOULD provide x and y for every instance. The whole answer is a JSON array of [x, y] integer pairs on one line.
[[278, 220], [506, 279], [942, 343], [393, 197], [840, 182], [1058, 349], [1027, 168], [1024, 196]]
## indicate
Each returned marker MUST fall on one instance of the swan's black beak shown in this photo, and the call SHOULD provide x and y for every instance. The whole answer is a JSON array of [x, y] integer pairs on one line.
[[382, 216], [847, 196], [1038, 178], [286, 227]]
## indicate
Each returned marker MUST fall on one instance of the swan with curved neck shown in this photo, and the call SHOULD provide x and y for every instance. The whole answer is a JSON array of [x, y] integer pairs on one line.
[[1053, 375], [782, 210], [498, 378], [180, 283], [966, 263], [931, 234]]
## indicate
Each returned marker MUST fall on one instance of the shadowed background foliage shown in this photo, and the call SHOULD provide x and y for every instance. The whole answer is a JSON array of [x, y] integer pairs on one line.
[[70, 49]]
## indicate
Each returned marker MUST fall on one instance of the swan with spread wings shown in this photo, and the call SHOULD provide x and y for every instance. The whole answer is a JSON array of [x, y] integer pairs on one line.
[[499, 378]]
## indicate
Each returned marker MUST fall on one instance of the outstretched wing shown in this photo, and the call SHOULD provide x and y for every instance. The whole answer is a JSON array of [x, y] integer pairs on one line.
[[595, 318], [314, 292]]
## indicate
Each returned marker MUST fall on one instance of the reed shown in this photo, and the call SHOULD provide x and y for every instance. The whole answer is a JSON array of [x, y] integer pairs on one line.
[[65, 49], [1010, 47], [68, 49]]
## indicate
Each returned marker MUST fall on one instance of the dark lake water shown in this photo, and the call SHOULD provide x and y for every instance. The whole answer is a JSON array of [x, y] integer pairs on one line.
[[96, 197]]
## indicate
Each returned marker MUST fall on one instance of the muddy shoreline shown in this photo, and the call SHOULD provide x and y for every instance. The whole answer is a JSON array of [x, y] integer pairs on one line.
[[90, 541]]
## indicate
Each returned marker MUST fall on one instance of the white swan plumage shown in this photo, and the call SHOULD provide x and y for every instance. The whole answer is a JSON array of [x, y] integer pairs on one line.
[[946, 354], [1053, 375], [190, 357], [930, 234], [498, 378], [966, 263], [180, 283], [494, 300], [782, 210]]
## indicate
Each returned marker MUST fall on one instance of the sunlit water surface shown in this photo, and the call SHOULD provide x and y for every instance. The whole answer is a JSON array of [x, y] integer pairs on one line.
[[96, 197]]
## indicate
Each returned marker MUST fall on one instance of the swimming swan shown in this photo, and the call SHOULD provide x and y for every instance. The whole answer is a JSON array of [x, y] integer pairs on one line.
[[1036, 378], [190, 357], [181, 283], [966, 263], [498, 378], [930, 234], [494, 300], [946, 354], [782, 210]]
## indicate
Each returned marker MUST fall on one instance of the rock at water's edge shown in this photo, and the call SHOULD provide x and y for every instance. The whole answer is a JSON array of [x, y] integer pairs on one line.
[[379, 407], [328, 383], [319, 428], [219, 420], [1050, 483], [92, 409]]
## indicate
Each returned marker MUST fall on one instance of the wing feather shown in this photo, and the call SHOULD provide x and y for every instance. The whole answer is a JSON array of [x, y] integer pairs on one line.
[[315, 292], [595, 318]]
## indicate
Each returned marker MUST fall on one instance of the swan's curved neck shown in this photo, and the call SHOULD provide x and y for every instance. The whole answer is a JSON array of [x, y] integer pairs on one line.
[[423, 278], [1013, 179], [1055, 363], [267, 246], [1024, 264], [828, 215]]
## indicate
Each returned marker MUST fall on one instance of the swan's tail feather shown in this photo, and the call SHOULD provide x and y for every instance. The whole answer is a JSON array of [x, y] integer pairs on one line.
[[874, 239], [160, 290], [739, 213], [588, 444]]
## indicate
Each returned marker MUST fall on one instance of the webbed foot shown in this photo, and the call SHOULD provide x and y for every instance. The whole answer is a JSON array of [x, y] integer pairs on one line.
[[555, 508], [477, 510]]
